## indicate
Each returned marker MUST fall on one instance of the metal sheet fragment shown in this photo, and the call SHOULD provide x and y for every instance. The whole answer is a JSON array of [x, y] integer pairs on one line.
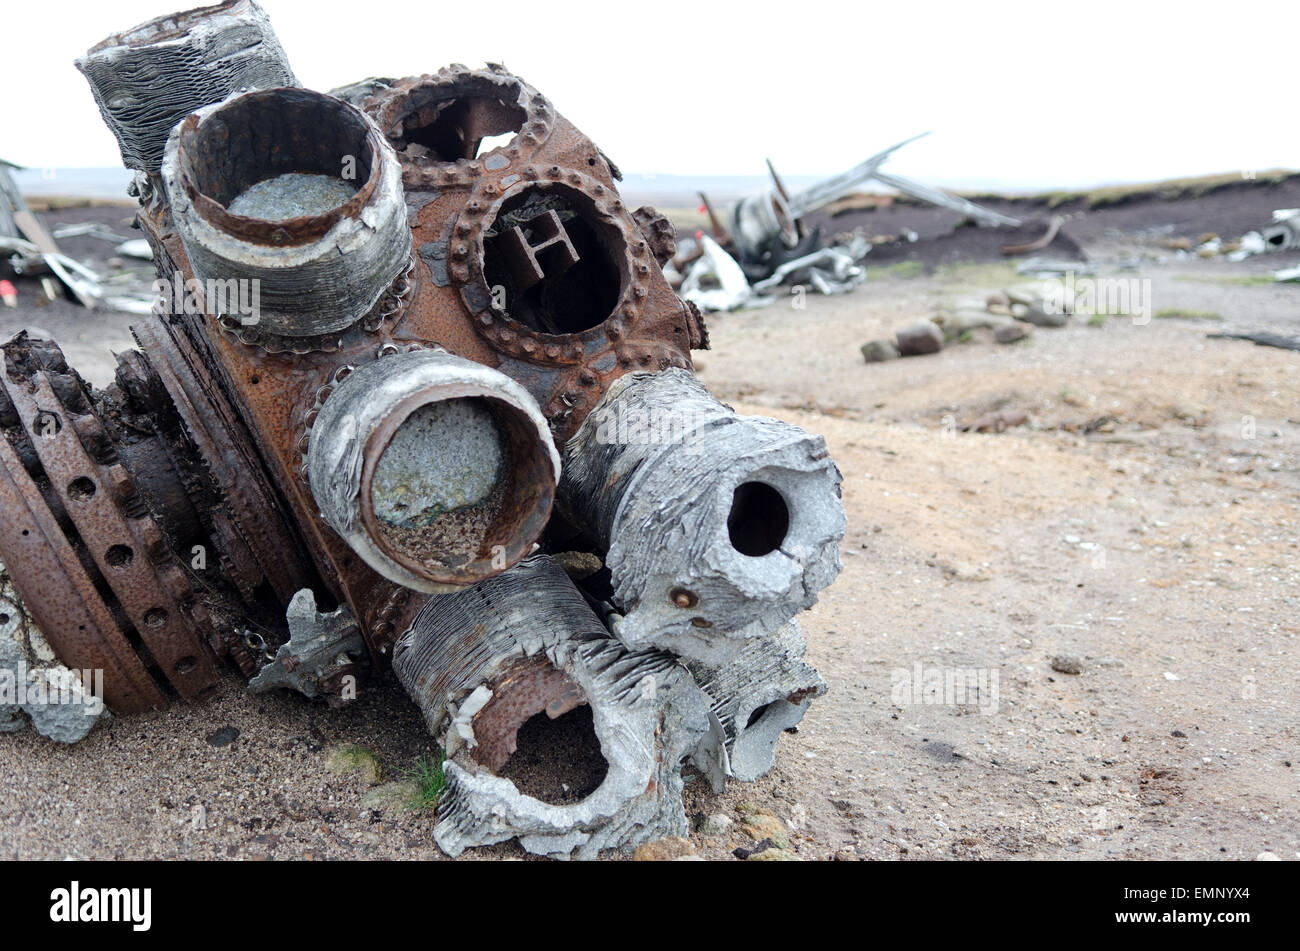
[[756, 696]]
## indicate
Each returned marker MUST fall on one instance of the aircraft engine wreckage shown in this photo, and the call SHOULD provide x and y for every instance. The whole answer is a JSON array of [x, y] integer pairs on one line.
[[410, 345]]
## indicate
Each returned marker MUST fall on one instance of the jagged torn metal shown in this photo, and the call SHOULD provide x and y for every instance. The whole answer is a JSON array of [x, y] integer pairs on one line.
[[479, 664], [659, 471], [765, 690], [317, 643]]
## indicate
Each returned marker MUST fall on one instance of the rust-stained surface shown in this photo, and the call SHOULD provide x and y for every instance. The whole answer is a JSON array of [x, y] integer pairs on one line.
[[542, 209], [356, 456]]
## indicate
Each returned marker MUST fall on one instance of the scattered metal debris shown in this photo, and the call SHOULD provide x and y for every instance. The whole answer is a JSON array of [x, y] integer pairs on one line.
[[323, 648], [767, 244], [1282, 235]]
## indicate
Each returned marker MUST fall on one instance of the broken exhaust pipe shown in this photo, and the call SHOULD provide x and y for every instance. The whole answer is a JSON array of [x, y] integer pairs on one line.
[[297, 193], [148, 78]]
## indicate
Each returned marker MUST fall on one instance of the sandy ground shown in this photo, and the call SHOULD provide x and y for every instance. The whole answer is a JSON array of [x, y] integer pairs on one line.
[[1137, 522]]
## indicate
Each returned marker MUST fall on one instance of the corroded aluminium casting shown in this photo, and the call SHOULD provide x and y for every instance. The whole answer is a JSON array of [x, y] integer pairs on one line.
[[718, 526], [526, 644], [454, 319], [148, 78]]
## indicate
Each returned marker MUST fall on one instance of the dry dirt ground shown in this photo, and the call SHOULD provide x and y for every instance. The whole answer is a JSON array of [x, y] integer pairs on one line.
[[1145, 521]]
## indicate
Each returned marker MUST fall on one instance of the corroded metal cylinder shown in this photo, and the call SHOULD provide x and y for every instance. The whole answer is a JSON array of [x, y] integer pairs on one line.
[[148, 78], [297, 193], [525, 645], [439, 472], [718, 526]]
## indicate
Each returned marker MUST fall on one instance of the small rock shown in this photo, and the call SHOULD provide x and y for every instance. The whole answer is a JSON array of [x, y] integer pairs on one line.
[[1067, 664], [223, 737], [578, 564], [1180, 734], [922, 337], [878, 351], [1267, 857], [773, 855], [965, 321], [766, 827], [964, 571], [1010, 331], [1040, 316], [716, 824], [998, 421], [663, 850]]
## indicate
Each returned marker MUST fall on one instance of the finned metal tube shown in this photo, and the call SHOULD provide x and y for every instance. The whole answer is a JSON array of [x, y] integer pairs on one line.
[[148, 78], [719, 527]]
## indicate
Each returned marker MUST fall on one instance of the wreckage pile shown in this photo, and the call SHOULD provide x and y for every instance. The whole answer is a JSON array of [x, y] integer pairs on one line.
[[768, 245], [433, 413]]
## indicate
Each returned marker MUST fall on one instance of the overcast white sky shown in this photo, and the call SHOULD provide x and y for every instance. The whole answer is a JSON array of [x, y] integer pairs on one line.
[[1028, 94]]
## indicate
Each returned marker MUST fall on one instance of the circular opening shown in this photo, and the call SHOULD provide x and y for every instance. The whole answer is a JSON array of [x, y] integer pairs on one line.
[[448, 122], [155, 617], [280, 154], [4, 619], [186, 664], [758, 520], [119, 556], [551, 262], [461, 488], [557, 761], [81, 488]]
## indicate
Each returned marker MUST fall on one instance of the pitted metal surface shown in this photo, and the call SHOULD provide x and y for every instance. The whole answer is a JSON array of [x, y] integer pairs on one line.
[[718, 526]]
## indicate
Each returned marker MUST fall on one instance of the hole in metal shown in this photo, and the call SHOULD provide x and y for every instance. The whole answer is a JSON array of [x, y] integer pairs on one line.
[[551, 264], [119, 556], [81, 488], [465, 125], [759, 519], [557, 761]]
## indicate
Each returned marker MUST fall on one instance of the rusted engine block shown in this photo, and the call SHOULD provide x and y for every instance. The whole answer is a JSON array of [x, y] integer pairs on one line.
[[385, 316]]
